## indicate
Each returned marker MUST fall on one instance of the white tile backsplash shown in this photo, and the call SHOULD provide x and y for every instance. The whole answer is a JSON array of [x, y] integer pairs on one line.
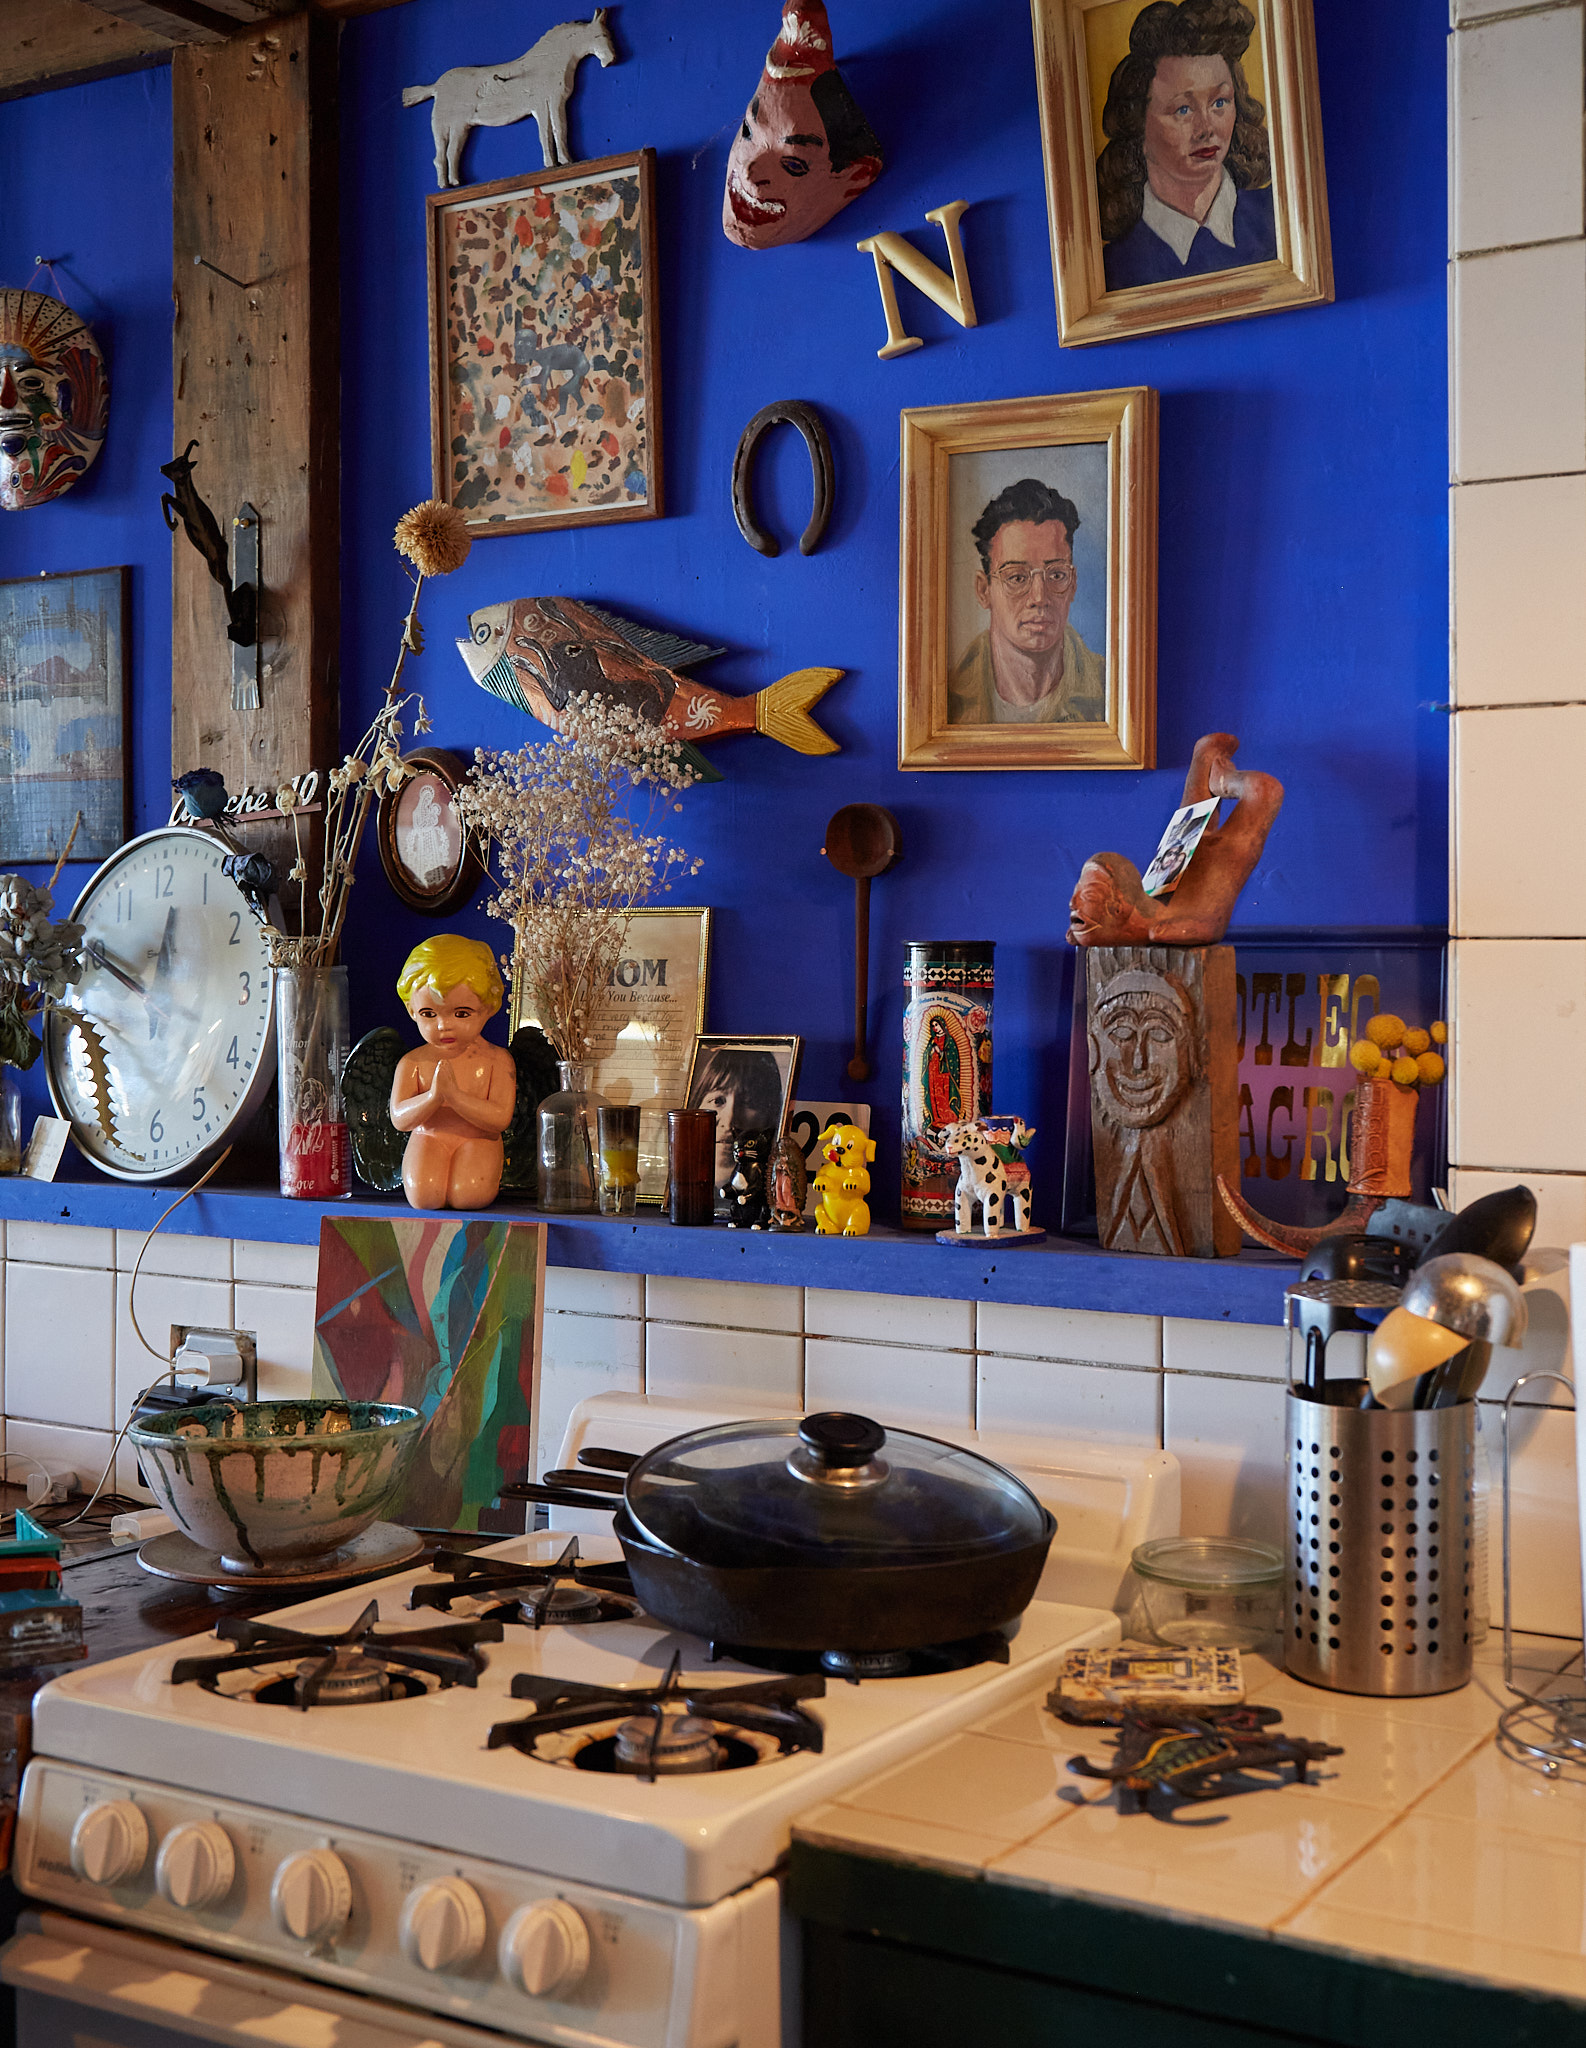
[[60, 1348], [1518, 777], [1518, 1045], [1228, 1437], [1560, 1200], [890, 1319], [1519, 560], [1516, 131], [580, 1356], [189, 1258], [570, 1290], [908, 1388], [282, 1322], [730, 1304], [1044, 1397], [1546, 1570], [1248, 1350], [161, 1301], [1080, 1334], [1519, 339], [687, 1363], [275, 1265], [83, 1451], [61, 1244]]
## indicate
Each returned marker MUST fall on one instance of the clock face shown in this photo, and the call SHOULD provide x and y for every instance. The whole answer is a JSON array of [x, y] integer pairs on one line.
[[177, 1046]]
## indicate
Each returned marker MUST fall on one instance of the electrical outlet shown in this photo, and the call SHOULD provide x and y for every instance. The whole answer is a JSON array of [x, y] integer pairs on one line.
[[242, 1341]]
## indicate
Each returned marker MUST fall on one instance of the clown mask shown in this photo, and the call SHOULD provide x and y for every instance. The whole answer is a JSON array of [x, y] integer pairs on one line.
[[54, 398]]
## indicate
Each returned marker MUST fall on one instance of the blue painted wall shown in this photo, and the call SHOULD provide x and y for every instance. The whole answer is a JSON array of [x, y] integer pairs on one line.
[[1303, 509]]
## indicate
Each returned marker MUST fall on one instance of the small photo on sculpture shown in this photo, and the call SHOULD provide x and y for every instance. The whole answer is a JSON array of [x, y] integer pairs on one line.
[[1178, 844]]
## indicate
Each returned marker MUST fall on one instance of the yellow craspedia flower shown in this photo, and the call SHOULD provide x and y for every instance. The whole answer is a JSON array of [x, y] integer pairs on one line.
[[1406, 1072], [1416, 1042], [1440, 1033], [1364, 1056], [1386, 1029], [1431, 1068]]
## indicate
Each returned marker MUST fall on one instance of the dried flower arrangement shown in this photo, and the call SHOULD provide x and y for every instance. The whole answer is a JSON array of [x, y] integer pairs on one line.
[[570, 860], [40, 957]]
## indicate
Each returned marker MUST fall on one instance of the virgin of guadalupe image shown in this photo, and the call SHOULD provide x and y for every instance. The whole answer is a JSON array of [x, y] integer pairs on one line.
[[1184, 184], [943, 1093]]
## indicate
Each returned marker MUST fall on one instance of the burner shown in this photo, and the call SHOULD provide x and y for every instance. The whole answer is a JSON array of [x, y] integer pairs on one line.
[[661, 1730], [355, 1668], [854, 1665], [564, 1593]]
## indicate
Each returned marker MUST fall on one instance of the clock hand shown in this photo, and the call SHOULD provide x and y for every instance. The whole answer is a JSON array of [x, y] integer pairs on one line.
[[160, 1005], [96, 952]]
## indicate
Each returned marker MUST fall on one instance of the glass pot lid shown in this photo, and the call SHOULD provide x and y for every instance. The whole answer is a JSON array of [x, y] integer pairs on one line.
[[829, 1490]]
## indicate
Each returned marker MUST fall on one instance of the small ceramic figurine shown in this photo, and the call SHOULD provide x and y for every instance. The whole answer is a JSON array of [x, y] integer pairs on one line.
[[540, 82], [787, 1185], [843, 1182], [744, 1196], [991, 1170], [455, 1096]]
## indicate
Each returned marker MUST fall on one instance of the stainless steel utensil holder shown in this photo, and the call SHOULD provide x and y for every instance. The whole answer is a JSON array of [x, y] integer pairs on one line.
[[1380, 1522]]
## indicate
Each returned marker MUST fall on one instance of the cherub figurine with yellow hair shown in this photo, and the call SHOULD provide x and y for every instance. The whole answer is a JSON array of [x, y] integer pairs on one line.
[[455, 1095]]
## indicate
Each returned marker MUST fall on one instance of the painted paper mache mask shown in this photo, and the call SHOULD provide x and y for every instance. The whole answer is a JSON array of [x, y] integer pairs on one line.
[[54, 399], [804, 149]]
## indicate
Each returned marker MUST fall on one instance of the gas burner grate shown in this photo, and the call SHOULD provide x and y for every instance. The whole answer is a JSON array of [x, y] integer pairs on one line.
[[854, 1666], [353, 1668], [564, 1593], [660, 1730]]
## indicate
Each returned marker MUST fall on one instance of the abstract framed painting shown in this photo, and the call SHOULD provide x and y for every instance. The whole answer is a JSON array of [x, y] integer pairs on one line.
[[1183, 149], [64, 681], [1027, 620], [545, 396]]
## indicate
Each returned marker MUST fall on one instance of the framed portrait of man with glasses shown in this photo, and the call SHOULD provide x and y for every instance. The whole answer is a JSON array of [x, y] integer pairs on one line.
[[1028, 583]]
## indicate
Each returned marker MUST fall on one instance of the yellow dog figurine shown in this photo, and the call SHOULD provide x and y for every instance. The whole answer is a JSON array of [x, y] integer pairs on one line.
[[843, 1183]]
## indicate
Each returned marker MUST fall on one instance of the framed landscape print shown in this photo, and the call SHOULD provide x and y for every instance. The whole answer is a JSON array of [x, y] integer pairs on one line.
[[63, 710], [1183, 149], [545, 405], [427, 856], [1027, 622]]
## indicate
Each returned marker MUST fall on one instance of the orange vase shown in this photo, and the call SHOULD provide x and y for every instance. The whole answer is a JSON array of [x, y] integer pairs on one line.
[[1381, 1138]]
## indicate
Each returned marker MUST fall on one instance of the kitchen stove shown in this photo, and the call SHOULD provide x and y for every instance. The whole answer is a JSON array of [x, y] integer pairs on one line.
[[568, 1592], [347, 1667]]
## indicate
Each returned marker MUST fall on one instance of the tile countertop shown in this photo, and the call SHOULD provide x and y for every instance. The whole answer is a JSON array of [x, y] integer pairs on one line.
[[1421, 1845]]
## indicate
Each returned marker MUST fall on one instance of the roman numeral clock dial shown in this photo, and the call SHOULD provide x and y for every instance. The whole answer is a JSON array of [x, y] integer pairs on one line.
[[168, 1046]]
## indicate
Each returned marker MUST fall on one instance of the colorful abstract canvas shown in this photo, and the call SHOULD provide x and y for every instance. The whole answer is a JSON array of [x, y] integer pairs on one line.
[[444, 1317]]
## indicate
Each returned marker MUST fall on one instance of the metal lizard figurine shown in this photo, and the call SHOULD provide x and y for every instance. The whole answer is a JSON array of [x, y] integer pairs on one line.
[[1192, 1754]]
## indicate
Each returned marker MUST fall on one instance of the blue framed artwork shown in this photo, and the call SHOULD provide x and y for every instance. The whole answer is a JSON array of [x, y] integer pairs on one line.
[[63, 715]]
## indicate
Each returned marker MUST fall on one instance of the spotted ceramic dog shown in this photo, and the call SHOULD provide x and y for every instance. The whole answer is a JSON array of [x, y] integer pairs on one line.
[[989, 1171]]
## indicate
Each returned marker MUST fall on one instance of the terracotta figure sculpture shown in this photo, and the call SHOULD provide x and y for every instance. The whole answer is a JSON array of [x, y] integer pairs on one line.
[[454, 1097], [54, 399]]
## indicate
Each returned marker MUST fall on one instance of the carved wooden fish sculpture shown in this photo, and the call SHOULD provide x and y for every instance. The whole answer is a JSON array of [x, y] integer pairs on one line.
[[540, 652]]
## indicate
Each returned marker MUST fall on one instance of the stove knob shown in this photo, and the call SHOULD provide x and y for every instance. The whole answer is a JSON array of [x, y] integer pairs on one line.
[[196, 1865], [110, 1842], [311, 1897], [442, 1925], [545, 1948]]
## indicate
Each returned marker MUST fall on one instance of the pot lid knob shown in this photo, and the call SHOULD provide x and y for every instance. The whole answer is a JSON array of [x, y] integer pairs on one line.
[[839, 1441]]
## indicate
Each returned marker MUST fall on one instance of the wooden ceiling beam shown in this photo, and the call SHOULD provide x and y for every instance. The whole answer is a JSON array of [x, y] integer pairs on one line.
[[184, 21], [48, 43]]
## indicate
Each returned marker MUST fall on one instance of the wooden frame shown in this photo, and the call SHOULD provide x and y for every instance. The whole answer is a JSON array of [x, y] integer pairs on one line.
[[1115, 436], [1301, 271], [787, 1052], [432, 765], [618, 426], [107, 639]]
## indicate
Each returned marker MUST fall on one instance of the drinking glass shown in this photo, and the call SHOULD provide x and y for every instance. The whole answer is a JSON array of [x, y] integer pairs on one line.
[[618, 1128]]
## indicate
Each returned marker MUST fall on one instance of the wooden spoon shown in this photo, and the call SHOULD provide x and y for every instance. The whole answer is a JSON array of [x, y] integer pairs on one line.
[[862, 840]]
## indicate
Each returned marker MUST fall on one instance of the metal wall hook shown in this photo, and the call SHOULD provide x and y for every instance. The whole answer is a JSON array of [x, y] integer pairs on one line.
[[243, 284]]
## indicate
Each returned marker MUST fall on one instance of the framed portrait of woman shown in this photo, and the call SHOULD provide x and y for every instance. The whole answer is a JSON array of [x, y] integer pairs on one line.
[[427, 856], [748, 1084], [1183, 150], [1027, 621]]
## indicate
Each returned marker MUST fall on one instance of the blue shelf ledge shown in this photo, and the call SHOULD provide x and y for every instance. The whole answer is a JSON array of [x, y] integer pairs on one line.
[[1061, 1273]]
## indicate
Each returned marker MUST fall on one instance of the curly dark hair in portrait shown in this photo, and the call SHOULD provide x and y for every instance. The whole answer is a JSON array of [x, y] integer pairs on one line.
[[849, 136], [1027, 499], [1193, 28]]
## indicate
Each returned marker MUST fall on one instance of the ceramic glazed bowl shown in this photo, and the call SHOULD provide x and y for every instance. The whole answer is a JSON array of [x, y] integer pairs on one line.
[[276, 1485]]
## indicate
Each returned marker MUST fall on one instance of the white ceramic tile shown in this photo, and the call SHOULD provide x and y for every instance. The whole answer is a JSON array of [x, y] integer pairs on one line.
[[1518, 1034], [1560, 1200], [1519, 591], [906, 1388], [1546, 1345], [1044, 1865], [61, 1244], [1516, 131], [190, 1258], [690, 1364], [1490, 1791], [1463, 11], [890, 1319], [1228, 1438], [1473, 1708], [1517, 781], [914, 1841], [83, 1451], [282, 1322], [1247, 1350], [1544, 1527], [1047, 1397], [583, 1355], [162, 1301], [60, 1330], [1518, 396], [572, 1290], [730, 1304], [1434, 1948], [1084, 1335], [973, 1783], [275, 1265]]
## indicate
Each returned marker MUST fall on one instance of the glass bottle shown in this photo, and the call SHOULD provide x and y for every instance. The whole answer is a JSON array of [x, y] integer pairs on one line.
[[10, 1121], [311, 1038], [567, 1141]]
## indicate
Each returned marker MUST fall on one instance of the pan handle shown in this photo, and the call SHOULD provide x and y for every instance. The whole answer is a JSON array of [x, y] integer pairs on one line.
[[607, 1461], [599, 1482], [557, 1496]]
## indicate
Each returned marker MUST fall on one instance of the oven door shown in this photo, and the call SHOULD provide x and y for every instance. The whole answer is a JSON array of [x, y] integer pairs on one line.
[[79, 1983]]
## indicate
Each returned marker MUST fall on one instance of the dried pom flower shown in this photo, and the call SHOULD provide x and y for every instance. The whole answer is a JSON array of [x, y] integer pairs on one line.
[[1364, 1056], [434, 537], [1431, 1068], [1386, 1030]]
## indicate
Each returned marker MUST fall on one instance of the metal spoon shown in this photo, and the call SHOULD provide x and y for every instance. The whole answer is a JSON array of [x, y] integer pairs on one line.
[[862, 840]]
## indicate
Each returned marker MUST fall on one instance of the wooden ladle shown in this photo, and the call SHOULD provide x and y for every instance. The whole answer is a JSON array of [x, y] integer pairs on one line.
[[862, 840]]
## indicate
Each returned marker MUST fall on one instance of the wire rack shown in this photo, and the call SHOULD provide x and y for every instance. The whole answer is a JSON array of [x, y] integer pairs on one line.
[[1544, 1731]]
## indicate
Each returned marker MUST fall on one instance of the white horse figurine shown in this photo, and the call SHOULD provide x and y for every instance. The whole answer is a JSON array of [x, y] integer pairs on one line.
[[473, 96], [985, 1175]]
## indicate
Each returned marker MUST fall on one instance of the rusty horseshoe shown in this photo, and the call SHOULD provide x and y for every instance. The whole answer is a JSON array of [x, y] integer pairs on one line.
[[809, 423]]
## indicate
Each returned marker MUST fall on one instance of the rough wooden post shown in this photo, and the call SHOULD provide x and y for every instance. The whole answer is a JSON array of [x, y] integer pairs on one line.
[[1164, 1097]]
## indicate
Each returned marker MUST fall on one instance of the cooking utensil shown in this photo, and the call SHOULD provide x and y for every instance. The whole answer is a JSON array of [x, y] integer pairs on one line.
[[1404, 1349], [823, 1533], [1469, 1294], [862, 840], [1498, 1226], [1326, 1313]]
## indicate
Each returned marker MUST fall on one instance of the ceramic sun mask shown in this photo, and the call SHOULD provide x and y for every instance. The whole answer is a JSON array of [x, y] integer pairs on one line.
[[54, 399], [804, 150]]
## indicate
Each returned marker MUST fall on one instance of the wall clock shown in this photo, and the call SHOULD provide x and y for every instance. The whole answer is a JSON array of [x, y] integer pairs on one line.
[[169, 1045]]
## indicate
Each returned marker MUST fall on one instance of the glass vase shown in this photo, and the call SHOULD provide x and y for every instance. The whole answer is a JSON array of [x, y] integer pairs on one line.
[[10, 1121], [311, 1049], [567, 1150]]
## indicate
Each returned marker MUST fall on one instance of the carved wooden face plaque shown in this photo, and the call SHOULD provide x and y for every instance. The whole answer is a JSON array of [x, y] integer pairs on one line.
[[1144, 1048], [54, 399]]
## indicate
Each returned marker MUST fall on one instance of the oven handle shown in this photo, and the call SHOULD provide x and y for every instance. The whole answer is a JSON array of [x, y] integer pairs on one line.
[[82, 1967]]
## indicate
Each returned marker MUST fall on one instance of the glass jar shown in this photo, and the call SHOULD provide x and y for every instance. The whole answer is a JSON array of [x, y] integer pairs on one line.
[[1204, 1592], [691, 1170], [311, 1041], [567, 1149], [10, 1121]]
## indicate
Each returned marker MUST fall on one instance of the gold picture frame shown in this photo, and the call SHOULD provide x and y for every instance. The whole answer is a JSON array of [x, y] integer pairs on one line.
[[1076, 42], [644, 1036], [1093, 453]]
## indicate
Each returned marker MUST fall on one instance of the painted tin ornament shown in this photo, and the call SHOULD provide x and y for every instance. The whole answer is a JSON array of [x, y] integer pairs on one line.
[[946, 1066], [54, 399]]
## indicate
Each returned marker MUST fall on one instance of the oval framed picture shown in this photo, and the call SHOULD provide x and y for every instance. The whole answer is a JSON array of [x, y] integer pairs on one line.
[[426, 854]]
